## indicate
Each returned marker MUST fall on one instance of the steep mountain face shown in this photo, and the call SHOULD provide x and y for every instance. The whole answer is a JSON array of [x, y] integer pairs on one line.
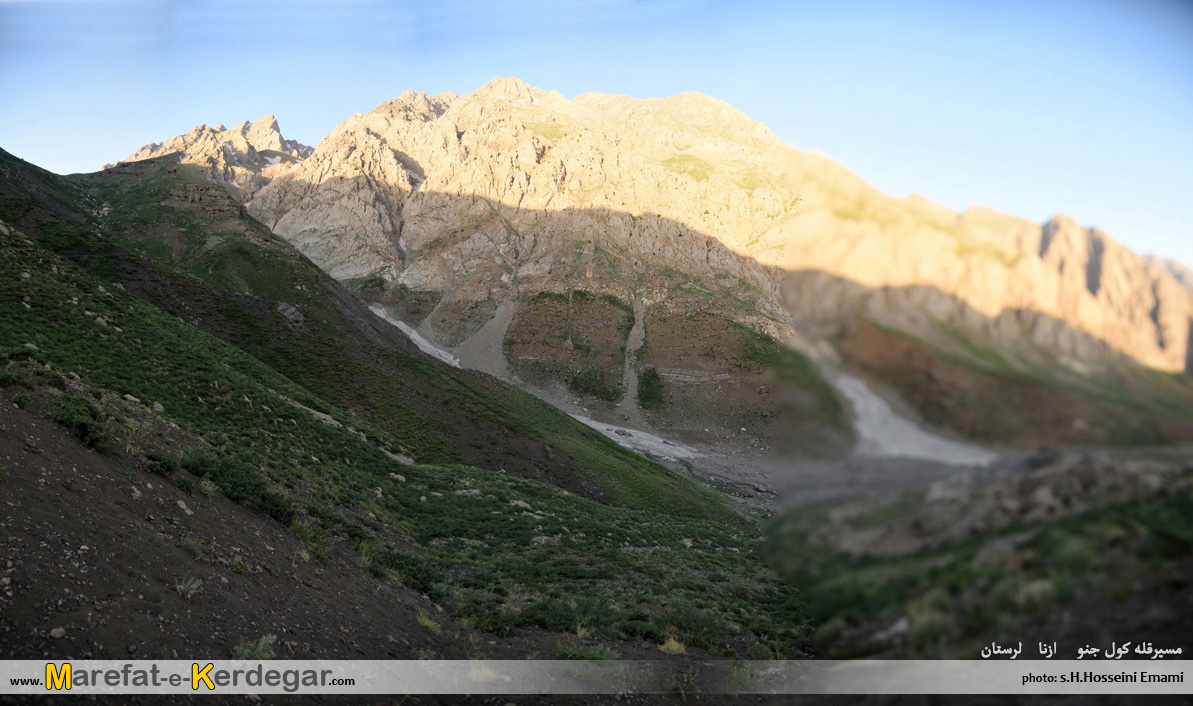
[[1181, 273], [414, 170], [163, 352], [568, 225], [599, 169], [687, 228], [1071, 291], [247, 155]]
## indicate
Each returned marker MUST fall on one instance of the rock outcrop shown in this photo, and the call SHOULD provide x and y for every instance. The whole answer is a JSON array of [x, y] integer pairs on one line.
[[246, 156]]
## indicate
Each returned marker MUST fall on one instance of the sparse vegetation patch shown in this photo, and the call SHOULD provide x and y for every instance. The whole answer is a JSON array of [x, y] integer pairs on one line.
[[84, 419]]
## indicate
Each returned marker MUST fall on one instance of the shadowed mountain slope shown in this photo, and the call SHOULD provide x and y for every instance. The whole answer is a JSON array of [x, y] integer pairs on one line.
[[224, 273], [513, 216], [386, 193], [153, 369], [475, 268]]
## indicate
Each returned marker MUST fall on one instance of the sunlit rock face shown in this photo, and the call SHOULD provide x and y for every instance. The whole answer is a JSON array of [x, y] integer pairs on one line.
[[246, 156], [511, 190]]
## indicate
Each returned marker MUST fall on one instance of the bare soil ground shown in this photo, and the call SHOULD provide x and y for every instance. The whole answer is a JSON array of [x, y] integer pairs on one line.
[[576, 338], [714, 389], [92, 543], [97, 545]]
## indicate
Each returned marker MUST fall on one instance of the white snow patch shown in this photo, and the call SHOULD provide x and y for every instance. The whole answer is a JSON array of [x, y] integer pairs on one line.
[[640, 441], [423, 344], [881, 432], [270, 161]]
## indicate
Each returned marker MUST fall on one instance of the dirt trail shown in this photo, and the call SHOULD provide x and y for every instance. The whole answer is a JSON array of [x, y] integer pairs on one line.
[[881, 432], [423, 344], [647, 444], [627, 409], [484, 349]]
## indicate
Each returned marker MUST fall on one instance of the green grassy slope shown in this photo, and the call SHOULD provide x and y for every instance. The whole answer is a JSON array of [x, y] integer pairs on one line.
[[239, 274], [662, 557]]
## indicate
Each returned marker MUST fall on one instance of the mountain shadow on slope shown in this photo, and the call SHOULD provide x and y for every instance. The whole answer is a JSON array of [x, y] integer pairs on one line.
[[994, 381], [242, 285]]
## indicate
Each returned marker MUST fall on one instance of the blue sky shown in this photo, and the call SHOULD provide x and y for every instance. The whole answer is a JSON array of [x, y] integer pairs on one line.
[[1032, 108]]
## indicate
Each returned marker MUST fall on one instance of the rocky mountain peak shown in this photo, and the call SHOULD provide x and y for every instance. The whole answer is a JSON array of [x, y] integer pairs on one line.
[[265, 123], [515, 184], [418, 104], [234, 155], [508, 89], [264, 134]]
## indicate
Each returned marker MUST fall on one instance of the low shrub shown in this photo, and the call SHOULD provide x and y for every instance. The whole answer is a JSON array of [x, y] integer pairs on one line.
[[12, 377], [639, 630], [83, 419], [928, 627], [650, 389], [198, 463], [235, 478], [415, 571], [491, 620], [250, 650], [160, 463], [1171, 534], [692, 626], [592, 616], [187, 588], [593, 382], [277, 505], [1033, 596]]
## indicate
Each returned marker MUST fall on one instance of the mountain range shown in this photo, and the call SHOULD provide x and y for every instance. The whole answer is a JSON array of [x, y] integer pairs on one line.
[[473, 218], [264, 400]]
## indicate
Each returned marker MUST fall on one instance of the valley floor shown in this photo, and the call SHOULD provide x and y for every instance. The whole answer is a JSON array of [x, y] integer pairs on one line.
[[892, 452], [914, 574]]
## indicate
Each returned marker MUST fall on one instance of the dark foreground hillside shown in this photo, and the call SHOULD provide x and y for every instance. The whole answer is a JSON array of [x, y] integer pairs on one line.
[[209, 448], [299, 486], [185, 246]]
